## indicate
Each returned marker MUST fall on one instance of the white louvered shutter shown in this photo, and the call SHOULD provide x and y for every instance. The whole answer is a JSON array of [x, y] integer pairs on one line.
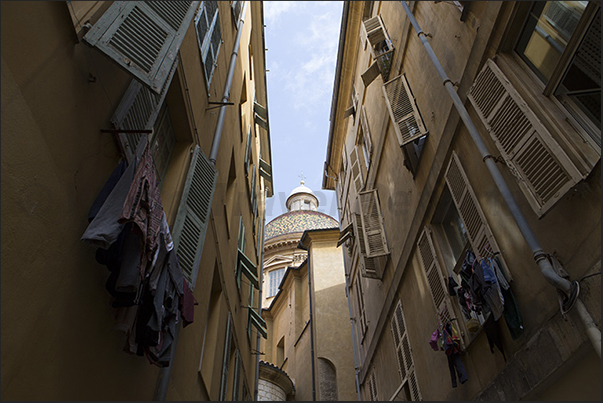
[[403, 110], [369, 266], [371, 74], [192, 219], [372, 223], [406, 366], [435, 278], [543, 170], [138, 110], [480, 236], [372, 385], [375, 32], [143, 37]]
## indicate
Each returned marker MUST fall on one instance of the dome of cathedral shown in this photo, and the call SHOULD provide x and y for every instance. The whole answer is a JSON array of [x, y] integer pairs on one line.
[[298, 221], [301, 189]]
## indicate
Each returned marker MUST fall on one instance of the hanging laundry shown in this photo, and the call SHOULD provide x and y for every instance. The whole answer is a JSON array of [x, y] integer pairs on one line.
[[104, 229], [511, 312], [107, 189], [492, 331], [146, 282]]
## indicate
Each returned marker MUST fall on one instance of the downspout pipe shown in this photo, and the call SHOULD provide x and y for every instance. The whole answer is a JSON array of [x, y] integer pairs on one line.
[[261, 280], [166, 372], [300, 245], [570, 290], [231, 68]]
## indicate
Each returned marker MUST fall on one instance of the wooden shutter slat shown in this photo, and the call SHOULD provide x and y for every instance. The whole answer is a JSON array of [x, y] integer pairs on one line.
[[143, 37], [545, 173], [402, 108], [192, 218]]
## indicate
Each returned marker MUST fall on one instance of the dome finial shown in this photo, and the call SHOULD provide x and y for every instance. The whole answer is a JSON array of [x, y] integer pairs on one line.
[[302, 177]]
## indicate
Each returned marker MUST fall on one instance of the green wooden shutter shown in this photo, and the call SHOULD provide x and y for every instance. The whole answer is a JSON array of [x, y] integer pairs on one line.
[[403, 110], [241, 241], [260, 110], [192, 218], [265, 170], [246, 267], [143, 37], [543, 170], [226, 359], [248, 151], [254, 319]]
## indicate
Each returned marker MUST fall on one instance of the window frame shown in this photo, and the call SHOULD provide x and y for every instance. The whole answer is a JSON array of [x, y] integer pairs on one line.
[[539, 89], [205, 43]]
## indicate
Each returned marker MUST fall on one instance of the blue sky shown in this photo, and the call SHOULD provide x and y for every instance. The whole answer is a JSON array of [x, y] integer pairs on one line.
[[302, 40]]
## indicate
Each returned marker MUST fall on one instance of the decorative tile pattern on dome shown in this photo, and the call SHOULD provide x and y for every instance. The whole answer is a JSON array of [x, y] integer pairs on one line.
[[299, 221]]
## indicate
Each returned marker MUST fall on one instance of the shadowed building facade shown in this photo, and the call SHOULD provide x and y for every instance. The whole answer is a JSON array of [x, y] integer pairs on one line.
[[83, 85], [469, 193]]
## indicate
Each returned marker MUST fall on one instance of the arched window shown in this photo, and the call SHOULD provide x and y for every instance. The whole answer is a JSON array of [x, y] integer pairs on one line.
[[327, 378]]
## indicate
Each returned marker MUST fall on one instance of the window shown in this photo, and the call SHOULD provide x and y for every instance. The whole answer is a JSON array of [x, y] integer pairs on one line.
[[236, 7], [280, 352], [406, 118], [363, 138], [453, 241], [275, 280], [382, 48], [209, 37], [162, 142], [561, 42], [360, 305]]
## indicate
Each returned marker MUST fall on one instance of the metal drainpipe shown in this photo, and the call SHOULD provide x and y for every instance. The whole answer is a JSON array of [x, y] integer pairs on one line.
[[257, 348], [231, 68], [165, 373], [347, 294], [301, 246], [569, 289]]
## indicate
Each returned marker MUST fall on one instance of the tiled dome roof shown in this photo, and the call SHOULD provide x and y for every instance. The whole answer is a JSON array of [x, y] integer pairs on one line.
[[298, 221]]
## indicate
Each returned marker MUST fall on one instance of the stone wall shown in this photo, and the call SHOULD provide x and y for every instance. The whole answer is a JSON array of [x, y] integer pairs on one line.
[[268, 391]]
